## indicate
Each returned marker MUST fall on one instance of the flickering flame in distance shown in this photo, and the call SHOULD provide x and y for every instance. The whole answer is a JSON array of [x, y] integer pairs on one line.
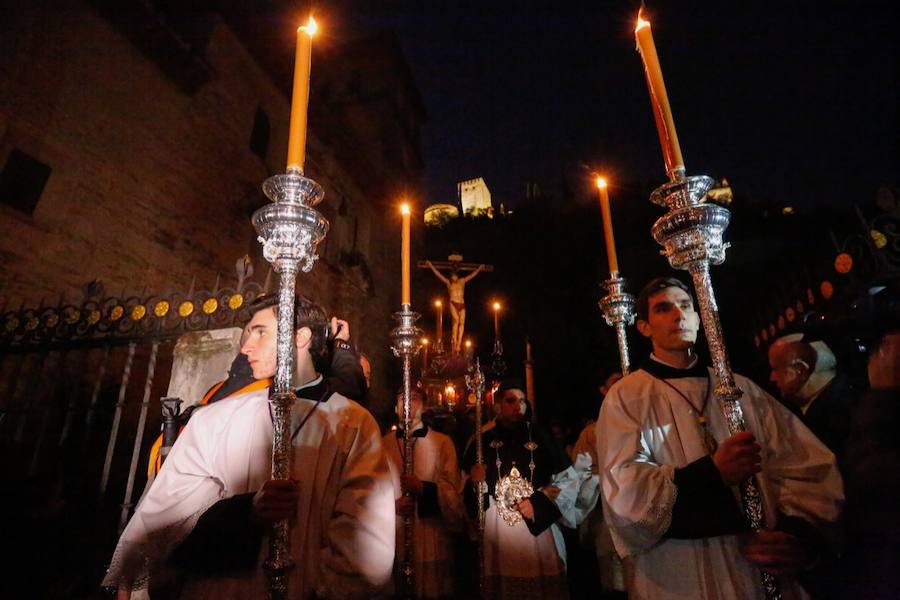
[[601, 183], [496, 306], [438, 303], [641, 23], [404, 209], [310, 28]]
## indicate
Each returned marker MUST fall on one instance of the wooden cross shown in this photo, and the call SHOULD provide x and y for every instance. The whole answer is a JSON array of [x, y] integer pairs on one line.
[[454, 262]]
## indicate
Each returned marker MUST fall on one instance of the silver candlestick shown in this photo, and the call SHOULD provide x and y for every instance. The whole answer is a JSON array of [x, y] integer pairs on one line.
[[406, 339], [691, 235], [289, 230], [618, 310], [475, 384]]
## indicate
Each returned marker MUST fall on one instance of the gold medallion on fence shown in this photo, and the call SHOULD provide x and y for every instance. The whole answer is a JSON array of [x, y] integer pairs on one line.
[[185, 309], [161, 309]]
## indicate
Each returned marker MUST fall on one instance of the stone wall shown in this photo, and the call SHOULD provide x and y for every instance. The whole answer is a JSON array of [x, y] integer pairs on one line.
[[152, 186]]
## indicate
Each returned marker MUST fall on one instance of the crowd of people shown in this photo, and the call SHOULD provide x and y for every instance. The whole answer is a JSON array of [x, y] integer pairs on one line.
[[649, 502]]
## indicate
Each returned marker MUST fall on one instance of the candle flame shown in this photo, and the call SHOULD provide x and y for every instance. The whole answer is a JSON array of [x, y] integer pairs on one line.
[[496, 306], [601, 183], [468, 343], [641, 22], [404, 209], [438, 303], [310, 28], [425, 341]]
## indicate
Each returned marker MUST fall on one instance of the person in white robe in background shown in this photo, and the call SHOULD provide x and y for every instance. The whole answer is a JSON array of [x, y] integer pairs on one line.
[[203, 522], [435, 503], [670, 471], [593, 533]]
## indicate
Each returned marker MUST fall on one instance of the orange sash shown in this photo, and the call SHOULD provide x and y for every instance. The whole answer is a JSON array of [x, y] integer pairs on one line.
[[155, 462]]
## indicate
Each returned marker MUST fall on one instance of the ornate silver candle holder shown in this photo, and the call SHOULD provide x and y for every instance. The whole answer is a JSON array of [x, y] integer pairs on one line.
[[406, 338], [691, 235], [618, 311], [289, 230], [475, 384]]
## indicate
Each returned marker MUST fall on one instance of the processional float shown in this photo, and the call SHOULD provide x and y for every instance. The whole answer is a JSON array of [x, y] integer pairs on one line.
[[289, 230], [406, 338], [691, 235]]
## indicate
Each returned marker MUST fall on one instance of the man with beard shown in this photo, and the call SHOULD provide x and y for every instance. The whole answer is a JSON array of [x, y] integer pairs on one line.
[[522, 561]]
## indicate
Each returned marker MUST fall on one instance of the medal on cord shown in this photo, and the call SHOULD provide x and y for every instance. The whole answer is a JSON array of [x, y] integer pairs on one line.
[[513, 488]]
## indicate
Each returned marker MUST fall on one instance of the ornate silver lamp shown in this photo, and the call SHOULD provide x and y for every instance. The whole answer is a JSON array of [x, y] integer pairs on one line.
[[406, 339], [691, 234], [618, 311], [289, 230]]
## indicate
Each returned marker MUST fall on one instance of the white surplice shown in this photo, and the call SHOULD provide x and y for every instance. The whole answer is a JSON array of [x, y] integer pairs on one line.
[[646, 431], [343, 536], [434, 460], [594, 532]]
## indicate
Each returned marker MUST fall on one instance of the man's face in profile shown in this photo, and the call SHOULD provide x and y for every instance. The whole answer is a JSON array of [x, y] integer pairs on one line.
[[260, 343]]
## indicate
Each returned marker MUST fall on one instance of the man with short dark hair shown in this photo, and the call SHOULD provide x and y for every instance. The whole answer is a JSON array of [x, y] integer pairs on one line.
[[670, 471], [206, 514], [521, 554]]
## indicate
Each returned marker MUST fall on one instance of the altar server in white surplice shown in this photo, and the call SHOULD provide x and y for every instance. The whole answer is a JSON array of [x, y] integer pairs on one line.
[[435, 503], [200, 530], [670, 472]]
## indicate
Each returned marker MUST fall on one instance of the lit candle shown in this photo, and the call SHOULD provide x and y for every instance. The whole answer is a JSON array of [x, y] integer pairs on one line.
[[440, 322], [300, 101], [450, 395], [659, 99], [608, 228], [424, 353], [404, 255], [496, 320], [529, 377]]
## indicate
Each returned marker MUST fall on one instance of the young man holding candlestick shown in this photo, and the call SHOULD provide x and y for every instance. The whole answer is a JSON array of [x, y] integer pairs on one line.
[[433, 501], [203, 521], [670, 471]]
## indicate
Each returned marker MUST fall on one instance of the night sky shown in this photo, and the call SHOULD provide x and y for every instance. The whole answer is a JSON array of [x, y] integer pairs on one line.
[[792, 102], [795, 104]]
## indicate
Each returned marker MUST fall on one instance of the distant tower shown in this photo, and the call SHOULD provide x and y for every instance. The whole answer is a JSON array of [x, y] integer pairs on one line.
[[475, 197]]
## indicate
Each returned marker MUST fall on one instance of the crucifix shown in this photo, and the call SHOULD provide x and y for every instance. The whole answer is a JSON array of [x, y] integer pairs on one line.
[[456, 286]]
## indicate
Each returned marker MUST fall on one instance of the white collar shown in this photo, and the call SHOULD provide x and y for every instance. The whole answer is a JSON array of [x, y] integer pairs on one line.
[[312, 383], [668, 364]]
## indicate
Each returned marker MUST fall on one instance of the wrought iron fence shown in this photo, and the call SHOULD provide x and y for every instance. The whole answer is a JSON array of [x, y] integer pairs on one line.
[[80, 385]]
